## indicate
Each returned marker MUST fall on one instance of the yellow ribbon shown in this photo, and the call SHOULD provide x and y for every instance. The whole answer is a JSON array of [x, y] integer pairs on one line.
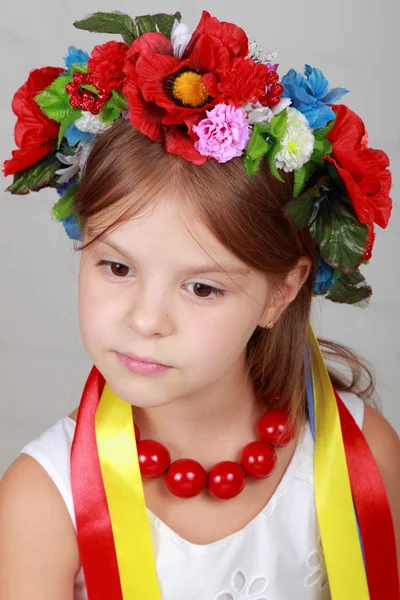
[[117, 451], [124, 490], [334, 502]]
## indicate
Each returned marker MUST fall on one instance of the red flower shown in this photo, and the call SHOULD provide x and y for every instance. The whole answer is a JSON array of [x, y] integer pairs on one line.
[[363, 170], [244, 81], [163, 90], [34, 133], [106, 65]]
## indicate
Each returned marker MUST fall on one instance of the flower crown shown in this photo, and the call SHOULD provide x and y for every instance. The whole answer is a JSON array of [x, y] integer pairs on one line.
[[209, 95]]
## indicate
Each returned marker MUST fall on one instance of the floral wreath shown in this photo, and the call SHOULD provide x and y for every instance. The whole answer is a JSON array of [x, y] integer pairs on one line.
[[209, 95]]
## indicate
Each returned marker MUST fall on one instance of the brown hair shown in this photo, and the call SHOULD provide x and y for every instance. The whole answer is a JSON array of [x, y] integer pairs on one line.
[[125, 171]]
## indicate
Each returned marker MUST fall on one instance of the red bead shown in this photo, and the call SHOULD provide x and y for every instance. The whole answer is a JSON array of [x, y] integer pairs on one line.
[[71, 87], [154, 458], [186, 478], [79, 78], [276, 89], [226, 479], [96, 107], [103, 96], [137, 432], [273, 100], [272, 77], [75, 100], [274, 429], [258, 459]]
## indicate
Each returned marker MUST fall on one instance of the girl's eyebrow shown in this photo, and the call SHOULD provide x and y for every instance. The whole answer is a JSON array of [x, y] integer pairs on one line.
[[192, 269]]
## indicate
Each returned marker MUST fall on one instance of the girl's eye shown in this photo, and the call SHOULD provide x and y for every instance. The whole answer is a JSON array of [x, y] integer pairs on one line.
[[116, 270], [120, 271], [203, 287]]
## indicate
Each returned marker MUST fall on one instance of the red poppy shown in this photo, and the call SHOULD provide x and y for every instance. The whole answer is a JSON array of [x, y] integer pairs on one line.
[[34, 133], [163, 90], [363, 170], [106, 65]]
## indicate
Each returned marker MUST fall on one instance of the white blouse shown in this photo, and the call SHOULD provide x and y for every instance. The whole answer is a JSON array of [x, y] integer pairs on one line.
[[277, 556]]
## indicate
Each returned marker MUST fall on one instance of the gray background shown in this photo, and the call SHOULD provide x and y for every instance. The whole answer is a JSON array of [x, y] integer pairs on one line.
[[43, 365]]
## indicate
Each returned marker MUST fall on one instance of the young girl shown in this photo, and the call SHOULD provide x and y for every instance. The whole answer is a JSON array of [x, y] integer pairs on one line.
[[213, 457]]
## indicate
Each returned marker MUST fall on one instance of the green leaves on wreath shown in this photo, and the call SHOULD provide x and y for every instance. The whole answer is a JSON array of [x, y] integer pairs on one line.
[[265, 140], [36, 177], [328, 212], [322, 147], [350, 288], [64, 208], [130, 29]]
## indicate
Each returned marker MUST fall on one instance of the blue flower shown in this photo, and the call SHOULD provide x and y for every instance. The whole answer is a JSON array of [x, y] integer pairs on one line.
[[75, 135], [324, 277], [75, 56], [309, 94], [63, 188], [72, 228]]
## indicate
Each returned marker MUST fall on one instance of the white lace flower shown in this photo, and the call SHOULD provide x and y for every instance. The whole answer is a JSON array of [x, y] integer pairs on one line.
[[242, 588], [297, 144], [90, 123], [76, 162], [257, 113], [180, 36]]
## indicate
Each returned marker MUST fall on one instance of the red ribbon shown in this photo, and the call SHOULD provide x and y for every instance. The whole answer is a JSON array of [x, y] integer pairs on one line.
[[373, 511], [95, 539]]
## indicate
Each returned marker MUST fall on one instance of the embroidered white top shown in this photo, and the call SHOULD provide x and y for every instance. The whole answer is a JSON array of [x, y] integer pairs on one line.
[[277, 556]]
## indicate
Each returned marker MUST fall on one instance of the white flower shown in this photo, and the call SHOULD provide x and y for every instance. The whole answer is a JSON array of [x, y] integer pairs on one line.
[[257, 113], [90, 123], [297, 144], [76, 162], [180, 36]]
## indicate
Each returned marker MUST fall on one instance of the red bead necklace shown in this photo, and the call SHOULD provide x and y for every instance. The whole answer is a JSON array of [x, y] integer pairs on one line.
[[186, 478]]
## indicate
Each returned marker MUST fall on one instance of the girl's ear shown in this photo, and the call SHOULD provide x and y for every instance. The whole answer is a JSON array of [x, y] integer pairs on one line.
[[287, 292]]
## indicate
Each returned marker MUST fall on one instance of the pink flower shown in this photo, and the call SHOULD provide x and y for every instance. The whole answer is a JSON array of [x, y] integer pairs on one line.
[[223, 134]]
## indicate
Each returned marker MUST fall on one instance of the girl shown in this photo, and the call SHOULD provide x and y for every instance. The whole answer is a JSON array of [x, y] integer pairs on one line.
[[212, 456]]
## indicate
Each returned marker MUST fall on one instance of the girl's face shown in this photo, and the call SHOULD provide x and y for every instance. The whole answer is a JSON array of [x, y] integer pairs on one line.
[[150, 289]]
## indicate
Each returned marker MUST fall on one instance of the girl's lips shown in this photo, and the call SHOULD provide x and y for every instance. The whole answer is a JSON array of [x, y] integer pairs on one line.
[[140, 367]]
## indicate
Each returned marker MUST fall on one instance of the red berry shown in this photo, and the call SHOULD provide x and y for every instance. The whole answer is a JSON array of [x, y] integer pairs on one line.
[[186, 478], [273, 428], [76, 100], [103, 96], [226, 479], [272, 77], [258, 459], [78, 78], [89, 78], [368, 251], [87, 104], [96, 107], [71, 87], [273, 100], [96, 82], [137, 433], [154, 458], [276, 89], [263, 99], [86, 94]]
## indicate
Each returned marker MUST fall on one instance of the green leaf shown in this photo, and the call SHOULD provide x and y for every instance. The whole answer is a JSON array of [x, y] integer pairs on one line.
[[54, 100], [259, 144], [159, 22], [322, 133], [117, 100], [322, 147], [73, 115], [300, 210], [37, 176], [90, 88], [109, 115], [277, 126], [110, 22], [272, 165], [301, 176], [336, 228], [350, 288], [64, 207], [77, 68]]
